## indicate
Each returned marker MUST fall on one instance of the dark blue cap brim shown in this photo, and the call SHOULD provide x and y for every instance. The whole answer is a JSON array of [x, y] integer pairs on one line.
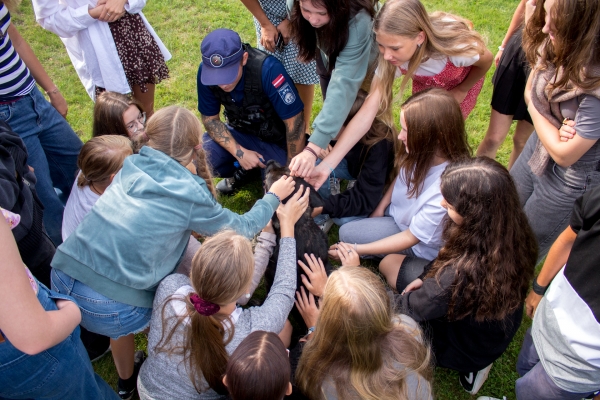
[[211, 76]]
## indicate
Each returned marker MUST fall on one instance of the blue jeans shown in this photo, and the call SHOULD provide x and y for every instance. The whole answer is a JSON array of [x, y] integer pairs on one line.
[[221, 161], [60, 372], [52, 149], [340, 172], [534, 383], [99, 314], [548, 199]]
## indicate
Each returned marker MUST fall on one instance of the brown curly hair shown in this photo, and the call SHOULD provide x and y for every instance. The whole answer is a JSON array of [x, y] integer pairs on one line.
[[493, 250]]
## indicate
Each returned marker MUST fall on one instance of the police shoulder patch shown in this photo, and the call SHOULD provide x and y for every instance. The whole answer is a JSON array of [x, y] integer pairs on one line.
[[287, 94]]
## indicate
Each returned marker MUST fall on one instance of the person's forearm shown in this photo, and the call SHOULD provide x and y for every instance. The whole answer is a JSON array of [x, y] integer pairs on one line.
[[516, 21], [218, 132], [391, 244], [478, 71], [557, 256], [355, 130], [262, 253], [31, 61], [254, 7], [295, 134]]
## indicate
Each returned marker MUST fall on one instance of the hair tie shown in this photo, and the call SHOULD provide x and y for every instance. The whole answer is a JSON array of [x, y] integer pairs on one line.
[[204, 307], [198, 146]]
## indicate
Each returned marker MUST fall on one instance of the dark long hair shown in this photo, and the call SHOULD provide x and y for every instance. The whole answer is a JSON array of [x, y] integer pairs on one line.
[[493, 250], [575, 49], [259, 368], [435, 126], [332, 37], [378, 131]]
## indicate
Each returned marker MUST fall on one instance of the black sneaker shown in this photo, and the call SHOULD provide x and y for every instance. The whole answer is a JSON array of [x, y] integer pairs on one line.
[[240, 178], [127, 393], [473, 381]]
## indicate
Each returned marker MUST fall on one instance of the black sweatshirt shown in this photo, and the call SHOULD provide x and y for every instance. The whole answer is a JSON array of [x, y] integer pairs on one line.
[[465, 345], [370, 169]]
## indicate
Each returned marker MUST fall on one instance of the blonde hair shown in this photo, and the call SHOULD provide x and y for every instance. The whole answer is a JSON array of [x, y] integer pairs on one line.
[[445, 34], [359, 341], [221, 272], [176, 132], [101, 157]]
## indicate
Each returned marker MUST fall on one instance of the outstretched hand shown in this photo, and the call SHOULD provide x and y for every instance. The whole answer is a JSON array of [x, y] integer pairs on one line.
[[316, 277], [347, 255], [290, 212], [318, 176], [307, 306], [283, 187]]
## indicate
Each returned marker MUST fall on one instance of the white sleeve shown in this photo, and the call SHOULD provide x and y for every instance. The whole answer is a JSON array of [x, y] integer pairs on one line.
[[464, 61], [61, 19]]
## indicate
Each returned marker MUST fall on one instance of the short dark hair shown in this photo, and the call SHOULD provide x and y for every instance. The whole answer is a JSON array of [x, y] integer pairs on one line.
[[259, 368]]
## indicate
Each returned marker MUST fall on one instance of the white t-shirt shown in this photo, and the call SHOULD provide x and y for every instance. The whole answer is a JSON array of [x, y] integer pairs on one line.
[[81, 200], [422, 214], [434, 66]]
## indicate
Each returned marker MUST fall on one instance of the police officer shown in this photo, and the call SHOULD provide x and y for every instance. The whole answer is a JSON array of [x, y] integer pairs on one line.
[[265, 116]]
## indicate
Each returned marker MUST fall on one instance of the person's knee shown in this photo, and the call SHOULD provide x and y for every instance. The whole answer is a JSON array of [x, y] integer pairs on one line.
[[388, 267]]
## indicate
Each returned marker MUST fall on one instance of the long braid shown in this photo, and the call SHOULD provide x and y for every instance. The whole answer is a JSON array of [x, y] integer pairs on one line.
[[203, 170]]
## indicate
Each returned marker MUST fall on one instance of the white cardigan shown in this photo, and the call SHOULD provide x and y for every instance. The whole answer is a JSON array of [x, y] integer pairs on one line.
[[88, 40]]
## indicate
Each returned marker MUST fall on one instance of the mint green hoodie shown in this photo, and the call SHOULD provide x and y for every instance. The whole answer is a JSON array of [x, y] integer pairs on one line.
[[348, 75], [137, 231]]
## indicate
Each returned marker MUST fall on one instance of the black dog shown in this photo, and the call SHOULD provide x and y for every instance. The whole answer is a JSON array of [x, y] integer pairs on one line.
[[310, 239]]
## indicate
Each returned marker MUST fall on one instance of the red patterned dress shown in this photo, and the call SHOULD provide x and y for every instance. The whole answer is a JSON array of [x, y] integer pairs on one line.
[[450, 77]]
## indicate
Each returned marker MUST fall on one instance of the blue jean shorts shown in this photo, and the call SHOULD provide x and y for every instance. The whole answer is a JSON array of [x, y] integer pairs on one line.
[[100, 314]]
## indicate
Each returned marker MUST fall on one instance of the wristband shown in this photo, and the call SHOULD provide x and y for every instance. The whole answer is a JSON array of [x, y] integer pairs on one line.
[[277, 197], [311, 151], [310, 330], [500, 48], [537, 289]]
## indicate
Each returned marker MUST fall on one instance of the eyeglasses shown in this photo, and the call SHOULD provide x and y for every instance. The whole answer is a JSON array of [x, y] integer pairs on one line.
[[134, 126]]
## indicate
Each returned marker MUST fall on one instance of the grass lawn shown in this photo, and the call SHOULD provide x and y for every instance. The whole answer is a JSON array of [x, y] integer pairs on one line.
[[182, 25]]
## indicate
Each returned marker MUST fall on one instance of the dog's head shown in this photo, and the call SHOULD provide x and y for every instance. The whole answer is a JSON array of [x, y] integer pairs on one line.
[[274, 171]]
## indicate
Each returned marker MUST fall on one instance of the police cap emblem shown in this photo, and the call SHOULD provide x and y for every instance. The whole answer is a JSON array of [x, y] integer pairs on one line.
[[216, 60]]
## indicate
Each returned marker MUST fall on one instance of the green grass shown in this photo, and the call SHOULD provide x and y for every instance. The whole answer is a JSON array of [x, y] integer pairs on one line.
[[182, 25]]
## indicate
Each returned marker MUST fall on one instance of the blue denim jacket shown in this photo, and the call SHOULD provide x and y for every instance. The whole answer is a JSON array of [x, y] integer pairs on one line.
[[135, 234]]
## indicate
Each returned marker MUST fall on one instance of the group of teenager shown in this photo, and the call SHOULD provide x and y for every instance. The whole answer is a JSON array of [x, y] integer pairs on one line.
[[457, 237]]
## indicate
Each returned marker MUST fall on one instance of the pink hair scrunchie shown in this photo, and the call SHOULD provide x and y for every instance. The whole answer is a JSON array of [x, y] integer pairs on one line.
[[204, 307]]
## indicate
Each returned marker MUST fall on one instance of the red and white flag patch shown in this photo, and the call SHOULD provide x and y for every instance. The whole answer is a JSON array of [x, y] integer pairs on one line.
[[278, 81]]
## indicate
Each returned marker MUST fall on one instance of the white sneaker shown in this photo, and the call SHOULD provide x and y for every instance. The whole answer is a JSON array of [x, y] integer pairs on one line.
[[473, 381], [326, 223]]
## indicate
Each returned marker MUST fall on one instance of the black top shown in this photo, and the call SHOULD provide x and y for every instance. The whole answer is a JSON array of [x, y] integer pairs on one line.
[[370, 169], [464, 345], [582, 270]]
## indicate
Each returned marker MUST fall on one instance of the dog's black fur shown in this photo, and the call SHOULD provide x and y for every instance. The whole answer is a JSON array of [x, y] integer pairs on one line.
[[310, 239]]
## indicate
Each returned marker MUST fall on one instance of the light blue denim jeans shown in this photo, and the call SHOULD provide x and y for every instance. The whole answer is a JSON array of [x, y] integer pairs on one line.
[[52, 149], [61, 372], [339, 172], [99, 314], [548, 199]]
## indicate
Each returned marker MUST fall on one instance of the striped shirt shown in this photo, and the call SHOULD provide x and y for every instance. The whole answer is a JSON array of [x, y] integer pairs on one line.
[[15, 79]]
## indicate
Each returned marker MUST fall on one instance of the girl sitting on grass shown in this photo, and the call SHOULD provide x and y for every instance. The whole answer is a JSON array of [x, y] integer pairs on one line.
[[408, 218], [196, 323], [358, 348], [470, 298]]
